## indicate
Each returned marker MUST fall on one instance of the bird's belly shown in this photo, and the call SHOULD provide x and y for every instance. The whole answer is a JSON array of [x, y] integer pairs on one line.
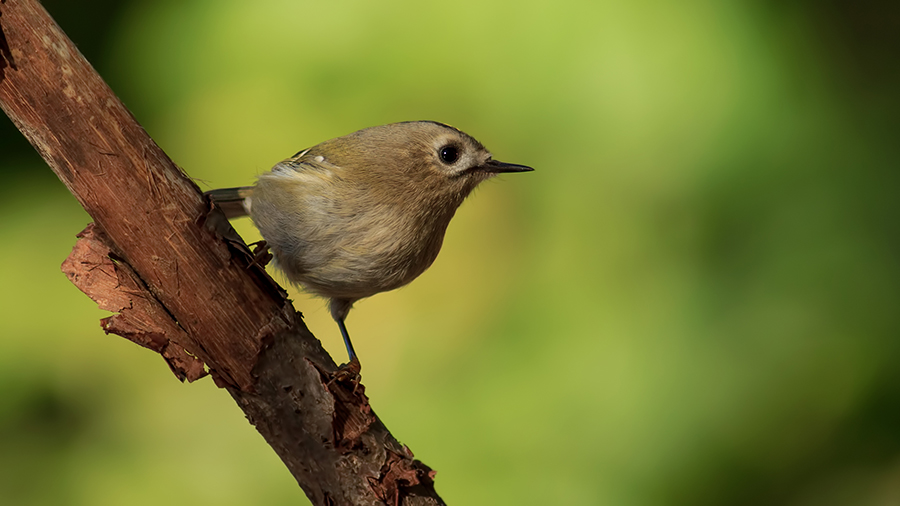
[[355, 267], [337, 252]]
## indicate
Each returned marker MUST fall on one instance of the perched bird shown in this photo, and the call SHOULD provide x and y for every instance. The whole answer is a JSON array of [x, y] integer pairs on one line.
[[363, 213]]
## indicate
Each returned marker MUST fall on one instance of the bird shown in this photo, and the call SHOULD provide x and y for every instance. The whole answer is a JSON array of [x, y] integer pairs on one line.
[[364, 213]]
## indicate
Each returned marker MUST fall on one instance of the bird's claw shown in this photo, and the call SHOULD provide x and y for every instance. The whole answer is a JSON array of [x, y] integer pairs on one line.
[[348, 373], [261, 254]]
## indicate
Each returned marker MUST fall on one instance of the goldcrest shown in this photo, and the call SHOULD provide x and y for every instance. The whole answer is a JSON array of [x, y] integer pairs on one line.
[[363, 213]]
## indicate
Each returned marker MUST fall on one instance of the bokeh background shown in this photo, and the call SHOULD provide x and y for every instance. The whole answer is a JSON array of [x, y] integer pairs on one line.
[[694, 299]]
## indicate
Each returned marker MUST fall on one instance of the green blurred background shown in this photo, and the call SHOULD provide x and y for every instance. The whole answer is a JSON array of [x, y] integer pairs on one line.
[[694, 299]]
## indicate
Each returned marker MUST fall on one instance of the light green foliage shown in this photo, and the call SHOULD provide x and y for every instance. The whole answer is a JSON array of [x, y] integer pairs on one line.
[[692, 300]]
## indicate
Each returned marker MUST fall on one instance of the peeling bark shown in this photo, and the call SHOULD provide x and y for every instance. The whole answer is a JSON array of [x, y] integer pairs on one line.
[[115, 287]]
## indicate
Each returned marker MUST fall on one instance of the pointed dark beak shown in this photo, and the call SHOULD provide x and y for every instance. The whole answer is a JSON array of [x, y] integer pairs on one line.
[[495, 167]]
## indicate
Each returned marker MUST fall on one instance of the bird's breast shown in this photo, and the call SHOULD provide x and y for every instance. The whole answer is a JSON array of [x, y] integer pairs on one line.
[[337, 249]]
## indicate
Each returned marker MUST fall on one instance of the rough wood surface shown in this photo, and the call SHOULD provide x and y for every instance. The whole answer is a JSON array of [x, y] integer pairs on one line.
[[184, 284]]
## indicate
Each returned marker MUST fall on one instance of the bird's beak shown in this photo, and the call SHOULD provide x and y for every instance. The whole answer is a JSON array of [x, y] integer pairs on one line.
[[495, 167]]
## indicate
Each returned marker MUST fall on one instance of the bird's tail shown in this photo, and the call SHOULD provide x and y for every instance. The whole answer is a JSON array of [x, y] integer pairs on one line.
[[234, 202]]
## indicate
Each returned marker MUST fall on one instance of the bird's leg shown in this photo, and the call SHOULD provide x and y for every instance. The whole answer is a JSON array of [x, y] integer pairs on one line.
[[347, 343], [339, 309], [348, 372]]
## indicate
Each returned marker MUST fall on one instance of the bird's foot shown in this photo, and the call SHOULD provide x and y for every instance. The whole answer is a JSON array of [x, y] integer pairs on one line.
[[261, 254], [348, 373]]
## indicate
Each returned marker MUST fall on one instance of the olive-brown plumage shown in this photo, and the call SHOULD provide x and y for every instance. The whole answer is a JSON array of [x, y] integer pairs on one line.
[[366, 212]]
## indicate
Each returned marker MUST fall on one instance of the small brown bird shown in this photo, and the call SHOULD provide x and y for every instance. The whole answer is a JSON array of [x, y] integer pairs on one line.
[[364, 213]]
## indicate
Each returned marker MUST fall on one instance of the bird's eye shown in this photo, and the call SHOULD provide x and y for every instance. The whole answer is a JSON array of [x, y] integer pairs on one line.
[[449, 154]]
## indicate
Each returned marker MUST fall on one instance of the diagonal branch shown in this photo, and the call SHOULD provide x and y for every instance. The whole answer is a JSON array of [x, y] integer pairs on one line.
[[183, 283]]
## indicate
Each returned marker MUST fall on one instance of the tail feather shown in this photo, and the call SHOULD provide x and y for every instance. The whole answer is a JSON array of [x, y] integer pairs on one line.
[[234, 202]]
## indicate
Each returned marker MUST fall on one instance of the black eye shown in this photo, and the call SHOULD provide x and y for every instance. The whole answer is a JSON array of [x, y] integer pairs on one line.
[[449, 154]]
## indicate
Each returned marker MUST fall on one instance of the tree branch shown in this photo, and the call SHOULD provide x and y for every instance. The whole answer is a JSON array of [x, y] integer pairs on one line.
[[184, 284]]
